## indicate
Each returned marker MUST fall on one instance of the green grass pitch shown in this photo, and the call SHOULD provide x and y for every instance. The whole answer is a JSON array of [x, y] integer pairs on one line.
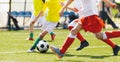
[[13, 48]]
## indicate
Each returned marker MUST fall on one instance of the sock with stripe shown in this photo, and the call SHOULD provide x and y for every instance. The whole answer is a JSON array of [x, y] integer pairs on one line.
[[79, 36], [66, 44], [68, 41], [113, 34]]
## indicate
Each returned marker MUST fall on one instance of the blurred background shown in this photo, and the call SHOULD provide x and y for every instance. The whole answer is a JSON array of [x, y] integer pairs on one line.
[[16, 5], [22, 11]]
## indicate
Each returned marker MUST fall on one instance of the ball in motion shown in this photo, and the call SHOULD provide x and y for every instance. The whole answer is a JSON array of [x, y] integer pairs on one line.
[[42, 46]]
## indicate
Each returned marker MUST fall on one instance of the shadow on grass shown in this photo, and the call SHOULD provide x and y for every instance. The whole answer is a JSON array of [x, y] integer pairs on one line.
[[49, 40], [92, 56], [69, 61], [88, 56], [37, 52], [95, 57], [78, 56]]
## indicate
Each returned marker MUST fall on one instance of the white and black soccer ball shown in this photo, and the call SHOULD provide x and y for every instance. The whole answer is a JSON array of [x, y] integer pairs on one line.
[[42, 46]]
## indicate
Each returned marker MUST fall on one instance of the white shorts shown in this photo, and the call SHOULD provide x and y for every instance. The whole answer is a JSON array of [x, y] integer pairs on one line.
[[48, 26], [41, 20], [73, 23]]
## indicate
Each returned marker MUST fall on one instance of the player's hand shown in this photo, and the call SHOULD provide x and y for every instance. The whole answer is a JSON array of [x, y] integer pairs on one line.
[[61, 13], [62, 3], [113, 5]]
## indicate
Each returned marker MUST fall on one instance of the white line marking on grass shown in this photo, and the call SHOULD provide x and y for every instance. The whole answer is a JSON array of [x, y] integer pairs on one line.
[[12, 52], [97, 46]]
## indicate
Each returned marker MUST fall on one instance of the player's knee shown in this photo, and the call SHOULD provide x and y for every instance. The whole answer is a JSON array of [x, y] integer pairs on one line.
[[32, 22], [99, 36], [41, 36], [73, 32]]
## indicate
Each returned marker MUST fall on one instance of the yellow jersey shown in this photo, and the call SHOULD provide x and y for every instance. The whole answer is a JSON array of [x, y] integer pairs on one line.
[[53, 7], [37, 6]]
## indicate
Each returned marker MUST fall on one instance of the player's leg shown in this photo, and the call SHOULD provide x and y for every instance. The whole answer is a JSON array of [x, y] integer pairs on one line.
[[50, 29], [46, 28], [104, 38], [110, 21], [53, 35], [112, 34], [83, 42], [68, 41], [31, 28], [42, 21], [41, 36]]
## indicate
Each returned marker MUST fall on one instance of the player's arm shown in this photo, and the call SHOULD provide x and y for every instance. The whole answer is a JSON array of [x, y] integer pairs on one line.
[[73, 9], [65, 6], [113, 5], [70, 8], [62, 3]]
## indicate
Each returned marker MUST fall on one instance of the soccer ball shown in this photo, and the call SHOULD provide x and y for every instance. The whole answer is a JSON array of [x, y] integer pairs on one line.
[[42, 46]]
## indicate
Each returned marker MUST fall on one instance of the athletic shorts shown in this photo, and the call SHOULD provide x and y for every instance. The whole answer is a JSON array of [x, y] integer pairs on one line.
[[48, 26], [41, 20], [91, 23]]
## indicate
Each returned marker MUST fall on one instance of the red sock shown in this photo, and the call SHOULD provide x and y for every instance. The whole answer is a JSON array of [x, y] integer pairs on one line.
[[109, 42], [66, 44], [79, 36], [112, 34]]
